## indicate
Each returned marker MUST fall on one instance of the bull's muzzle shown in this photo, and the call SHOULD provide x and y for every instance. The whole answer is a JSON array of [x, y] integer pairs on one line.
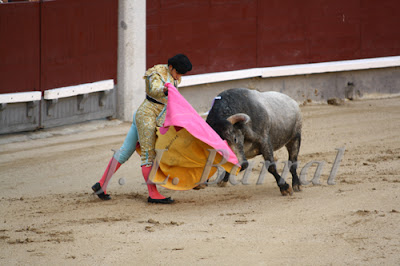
[[244, 165]]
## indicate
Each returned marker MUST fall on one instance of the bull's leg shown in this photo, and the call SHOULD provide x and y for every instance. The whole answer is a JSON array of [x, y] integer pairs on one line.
[[226, 177], [284, 187], [293, 148], [225, 180]]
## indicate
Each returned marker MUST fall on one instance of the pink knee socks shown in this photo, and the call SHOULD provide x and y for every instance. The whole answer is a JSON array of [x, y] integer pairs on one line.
[[153, 192], [112, 167]]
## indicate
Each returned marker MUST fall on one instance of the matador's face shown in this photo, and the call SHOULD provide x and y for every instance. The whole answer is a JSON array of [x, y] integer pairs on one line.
[[174, 73]]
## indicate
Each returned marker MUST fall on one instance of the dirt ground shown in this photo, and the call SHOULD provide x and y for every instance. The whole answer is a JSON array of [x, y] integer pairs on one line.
[[50, 217]]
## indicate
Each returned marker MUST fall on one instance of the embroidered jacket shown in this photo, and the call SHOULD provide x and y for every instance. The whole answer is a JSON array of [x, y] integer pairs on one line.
[[155, 78]]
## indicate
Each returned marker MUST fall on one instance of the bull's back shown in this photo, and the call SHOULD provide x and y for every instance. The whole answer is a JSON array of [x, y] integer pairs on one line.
[[284, 118]]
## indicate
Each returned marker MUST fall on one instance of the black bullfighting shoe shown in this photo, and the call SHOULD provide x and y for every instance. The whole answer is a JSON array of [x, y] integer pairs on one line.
[[162, 201], [99, 192]]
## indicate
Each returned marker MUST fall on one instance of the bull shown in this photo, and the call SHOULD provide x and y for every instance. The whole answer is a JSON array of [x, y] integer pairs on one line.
[[259, 123]]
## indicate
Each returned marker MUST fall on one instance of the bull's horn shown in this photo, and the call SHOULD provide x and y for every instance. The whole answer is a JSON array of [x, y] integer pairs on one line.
[[233, 119]]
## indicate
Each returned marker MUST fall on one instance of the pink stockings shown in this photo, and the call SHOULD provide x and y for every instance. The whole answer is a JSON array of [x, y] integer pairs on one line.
[[112, 167], [153, 192]]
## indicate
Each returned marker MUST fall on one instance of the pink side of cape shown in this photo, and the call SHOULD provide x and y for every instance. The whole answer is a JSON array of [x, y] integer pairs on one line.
[[180, 113]]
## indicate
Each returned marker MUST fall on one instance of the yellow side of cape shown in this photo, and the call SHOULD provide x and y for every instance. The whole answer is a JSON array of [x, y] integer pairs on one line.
[[184, 159]]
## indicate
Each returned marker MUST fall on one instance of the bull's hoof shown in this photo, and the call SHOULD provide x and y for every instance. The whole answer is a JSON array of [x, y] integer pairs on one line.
[[201, 186], [296, 188], [288, 191], [222, 183]]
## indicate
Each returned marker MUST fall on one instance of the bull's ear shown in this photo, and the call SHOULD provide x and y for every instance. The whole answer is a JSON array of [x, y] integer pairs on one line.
[[240, 117]]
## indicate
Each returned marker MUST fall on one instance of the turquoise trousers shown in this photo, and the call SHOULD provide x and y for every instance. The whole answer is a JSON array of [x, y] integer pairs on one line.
[[129, 145]]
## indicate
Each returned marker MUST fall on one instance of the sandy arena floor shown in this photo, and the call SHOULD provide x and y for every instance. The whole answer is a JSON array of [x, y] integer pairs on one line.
[[48, 215]]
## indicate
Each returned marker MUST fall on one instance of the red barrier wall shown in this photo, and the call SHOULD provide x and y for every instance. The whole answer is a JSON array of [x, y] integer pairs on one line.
[[19, 47], [222, 35], [51, 44], [79, 42], [216, 35]]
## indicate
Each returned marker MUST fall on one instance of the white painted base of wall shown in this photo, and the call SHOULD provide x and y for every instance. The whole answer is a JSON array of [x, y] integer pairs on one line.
[[70, 91], [315, 87], [57, 93], [18, 97], [291, 70]]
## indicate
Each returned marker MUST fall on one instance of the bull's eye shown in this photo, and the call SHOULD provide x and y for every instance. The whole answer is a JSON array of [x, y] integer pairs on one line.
[[235, 140]]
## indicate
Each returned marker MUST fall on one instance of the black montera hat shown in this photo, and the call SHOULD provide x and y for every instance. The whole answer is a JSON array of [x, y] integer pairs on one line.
[[181, 63]]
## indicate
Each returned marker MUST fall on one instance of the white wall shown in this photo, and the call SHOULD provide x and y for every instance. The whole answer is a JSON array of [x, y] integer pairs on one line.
[[131, 57]]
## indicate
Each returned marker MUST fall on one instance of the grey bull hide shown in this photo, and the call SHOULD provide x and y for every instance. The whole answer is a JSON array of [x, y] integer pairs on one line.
[[255, 123]]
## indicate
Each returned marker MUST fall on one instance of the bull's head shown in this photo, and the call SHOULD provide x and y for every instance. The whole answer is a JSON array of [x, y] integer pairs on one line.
[[233, 131]]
